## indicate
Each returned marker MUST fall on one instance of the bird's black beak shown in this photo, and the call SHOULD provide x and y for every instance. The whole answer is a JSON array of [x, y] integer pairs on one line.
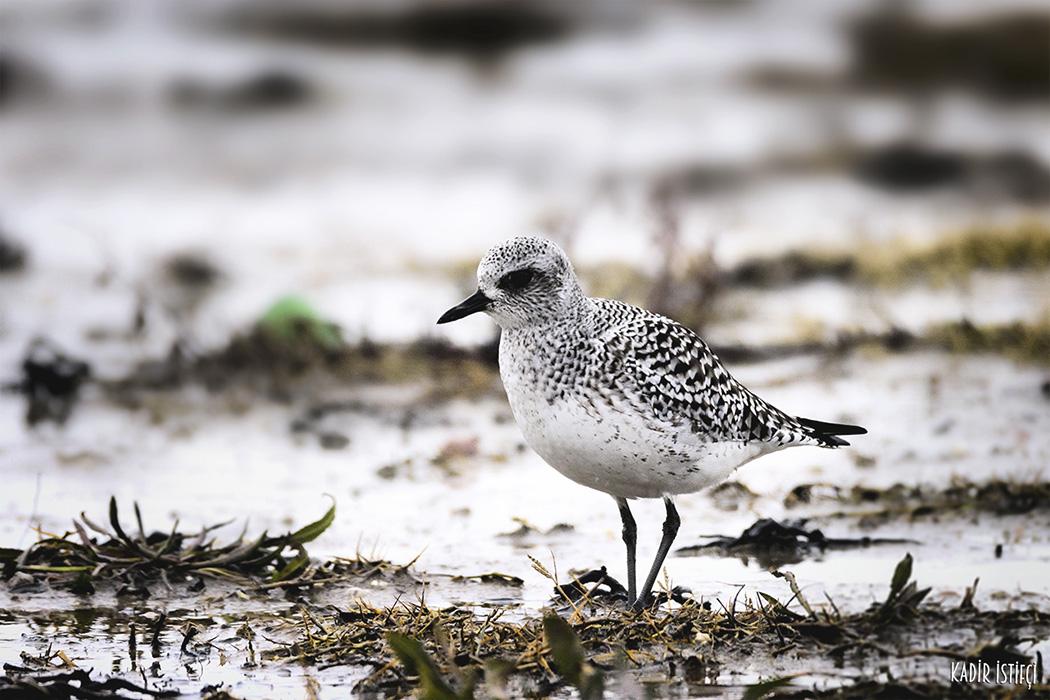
[[471, 305]]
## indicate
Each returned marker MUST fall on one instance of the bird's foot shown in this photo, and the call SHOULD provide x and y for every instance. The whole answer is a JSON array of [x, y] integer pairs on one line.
[[595, 585], [678, 594]]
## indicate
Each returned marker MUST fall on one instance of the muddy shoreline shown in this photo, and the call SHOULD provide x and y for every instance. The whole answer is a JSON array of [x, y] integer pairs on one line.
[[158, 604]]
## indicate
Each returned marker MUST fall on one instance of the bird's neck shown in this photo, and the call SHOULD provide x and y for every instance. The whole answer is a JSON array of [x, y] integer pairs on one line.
[[575, 319]]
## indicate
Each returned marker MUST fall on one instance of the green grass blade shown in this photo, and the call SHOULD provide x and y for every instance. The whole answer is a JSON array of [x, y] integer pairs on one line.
[[900, 576], [567, 650], [417, 662], [293, 567], [311, 532]]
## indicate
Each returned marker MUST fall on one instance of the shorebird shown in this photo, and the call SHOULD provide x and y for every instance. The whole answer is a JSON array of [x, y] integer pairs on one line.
[[618, 398]]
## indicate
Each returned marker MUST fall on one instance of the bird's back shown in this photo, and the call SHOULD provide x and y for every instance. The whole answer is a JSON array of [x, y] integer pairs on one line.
[[669, 373]]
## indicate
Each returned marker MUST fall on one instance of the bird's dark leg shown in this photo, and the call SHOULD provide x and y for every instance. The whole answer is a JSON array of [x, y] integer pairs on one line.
[[630, 538], [671, 524]]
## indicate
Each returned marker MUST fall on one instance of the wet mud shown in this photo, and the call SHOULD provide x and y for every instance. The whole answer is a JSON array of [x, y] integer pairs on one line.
[[161, 604]]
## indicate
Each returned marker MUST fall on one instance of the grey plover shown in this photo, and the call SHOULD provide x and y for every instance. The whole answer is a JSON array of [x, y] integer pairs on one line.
[[618, 398]]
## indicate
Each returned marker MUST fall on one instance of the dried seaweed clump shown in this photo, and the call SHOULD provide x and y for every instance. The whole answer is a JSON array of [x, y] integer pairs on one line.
[[135, 560], [456, 654]]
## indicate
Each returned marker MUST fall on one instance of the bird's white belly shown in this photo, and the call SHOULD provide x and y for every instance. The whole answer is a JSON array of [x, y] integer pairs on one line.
[[614, 451]]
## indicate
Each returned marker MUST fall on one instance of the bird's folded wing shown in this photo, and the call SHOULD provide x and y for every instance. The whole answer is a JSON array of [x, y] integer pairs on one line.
[[668, 372]]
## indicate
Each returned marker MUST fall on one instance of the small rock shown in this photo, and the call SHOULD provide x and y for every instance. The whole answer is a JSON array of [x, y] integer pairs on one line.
[[331, 440], [13, 254], [731, 495], [863, 461], [457, 449], [387, 472], [268, 90], [51, 380]]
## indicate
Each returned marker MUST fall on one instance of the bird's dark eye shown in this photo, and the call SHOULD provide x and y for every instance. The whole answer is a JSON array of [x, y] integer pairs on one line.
[[517, 280]]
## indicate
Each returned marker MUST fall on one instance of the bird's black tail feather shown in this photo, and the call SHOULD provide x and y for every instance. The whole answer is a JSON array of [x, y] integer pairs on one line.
[[828, 432]]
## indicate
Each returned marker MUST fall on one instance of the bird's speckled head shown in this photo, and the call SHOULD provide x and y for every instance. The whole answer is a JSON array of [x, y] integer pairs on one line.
[[525, 281]]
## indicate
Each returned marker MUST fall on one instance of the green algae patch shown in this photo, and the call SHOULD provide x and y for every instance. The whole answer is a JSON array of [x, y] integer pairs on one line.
[[1027, 342], [794, 267], [948, 259], [617, 280], [292, 319], [1024, 245], [1021, 341]]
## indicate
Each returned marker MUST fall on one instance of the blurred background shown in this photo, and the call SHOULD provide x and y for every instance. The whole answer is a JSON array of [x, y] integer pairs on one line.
[[365, 154], [227, 228]]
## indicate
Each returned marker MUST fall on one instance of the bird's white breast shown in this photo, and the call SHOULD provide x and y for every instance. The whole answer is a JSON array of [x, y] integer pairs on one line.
[[597, 440]]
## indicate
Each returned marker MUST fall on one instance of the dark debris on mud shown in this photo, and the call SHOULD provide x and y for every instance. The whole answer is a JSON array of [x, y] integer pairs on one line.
[[51, 381], [915, 502], [275, 363], [773, 544], [480, 31], [22, 682]]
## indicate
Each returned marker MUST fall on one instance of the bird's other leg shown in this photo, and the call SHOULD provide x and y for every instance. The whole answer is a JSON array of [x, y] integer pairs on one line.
[[630, 538], [671, 524]]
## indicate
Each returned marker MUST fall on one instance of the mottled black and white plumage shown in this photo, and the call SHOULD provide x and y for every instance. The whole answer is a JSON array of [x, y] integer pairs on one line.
[[617, 398]]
